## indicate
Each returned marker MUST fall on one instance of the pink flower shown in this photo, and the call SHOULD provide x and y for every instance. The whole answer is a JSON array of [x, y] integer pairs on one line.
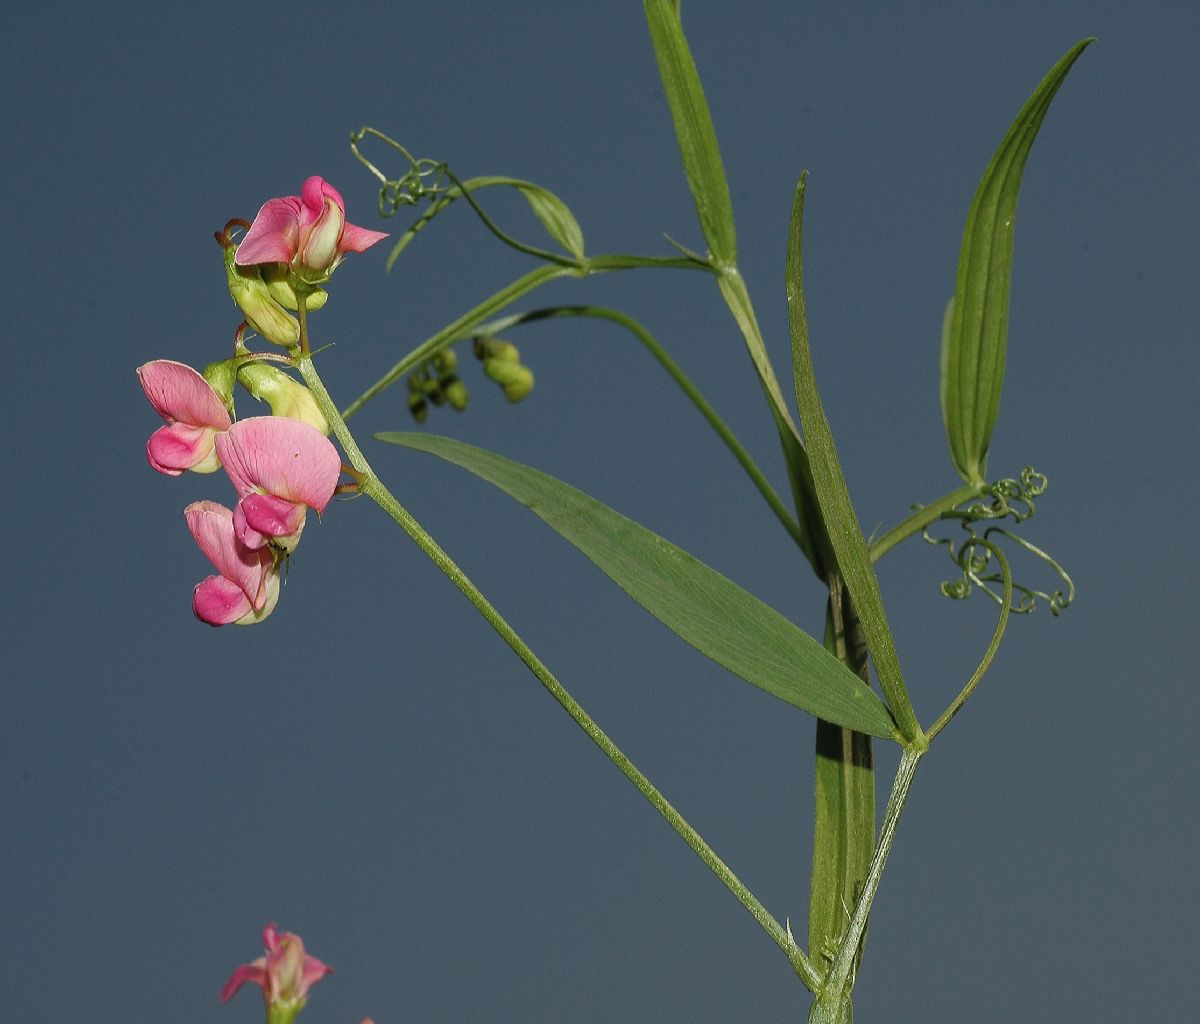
[[281, 468], [308, 231], [194, 413], [285, 974], [247, 588]]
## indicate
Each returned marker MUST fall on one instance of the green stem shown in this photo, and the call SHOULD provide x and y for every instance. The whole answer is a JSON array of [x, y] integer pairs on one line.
[[676, 373], [922, 517], [372, 486], [840, 979], [1005, 608]]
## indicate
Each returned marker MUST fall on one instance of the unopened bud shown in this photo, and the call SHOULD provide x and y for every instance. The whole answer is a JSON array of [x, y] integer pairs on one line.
[[518, 387], [285, 395], [495, 349], [417, 406], [515, 379], [456, 394], [221, 377], [275, 275], [254, 299]]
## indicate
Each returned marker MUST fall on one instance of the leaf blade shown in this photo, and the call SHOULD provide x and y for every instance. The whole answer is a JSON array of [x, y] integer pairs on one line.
[[694, 130], [845, 535], [708, 611], [975, 341]]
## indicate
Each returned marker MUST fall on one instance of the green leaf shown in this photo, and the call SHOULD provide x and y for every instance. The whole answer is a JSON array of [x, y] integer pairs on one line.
[[974, 344], [845, 536], [555, 215], [714, 615], [693, 127]]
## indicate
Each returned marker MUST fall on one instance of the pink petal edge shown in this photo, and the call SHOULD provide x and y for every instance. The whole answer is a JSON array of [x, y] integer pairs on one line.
[[180, 394], [255, 972], [274, 235]]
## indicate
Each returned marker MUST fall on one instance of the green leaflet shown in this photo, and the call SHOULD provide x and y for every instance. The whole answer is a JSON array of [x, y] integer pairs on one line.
[[714, 615], [976, 329], [556, 217], [693, 128], [710, 191], [849, 545]]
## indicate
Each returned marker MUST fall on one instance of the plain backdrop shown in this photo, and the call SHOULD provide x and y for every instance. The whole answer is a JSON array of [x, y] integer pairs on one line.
[[372, 767]]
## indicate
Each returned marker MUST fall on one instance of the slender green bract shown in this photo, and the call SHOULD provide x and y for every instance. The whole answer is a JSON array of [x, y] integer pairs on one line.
[[976, 329], [849, 545], [713, 614], [693, 127]]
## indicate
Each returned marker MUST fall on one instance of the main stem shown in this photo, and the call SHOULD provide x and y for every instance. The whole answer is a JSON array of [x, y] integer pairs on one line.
[[840, 980], [375, 489]]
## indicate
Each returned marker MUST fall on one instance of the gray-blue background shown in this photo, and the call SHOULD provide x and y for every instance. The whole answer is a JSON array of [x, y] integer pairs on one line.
[[372, 768]]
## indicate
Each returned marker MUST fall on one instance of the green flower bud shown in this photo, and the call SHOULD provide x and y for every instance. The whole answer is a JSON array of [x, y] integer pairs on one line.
[[221, 377], [446, 361], [456, 394], [285, 395], [418, 408], [501, 372], [275, 275], [254, 299], [519, 386], [494, 348]]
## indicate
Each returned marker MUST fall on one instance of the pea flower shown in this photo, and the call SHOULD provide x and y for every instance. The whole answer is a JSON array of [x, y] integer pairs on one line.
[[194, 413], [281, 468], [247, 587], [309, 232], [285, 975]]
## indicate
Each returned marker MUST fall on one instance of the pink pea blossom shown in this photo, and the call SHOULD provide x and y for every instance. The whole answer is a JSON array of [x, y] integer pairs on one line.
[[309, 231], [281, 468], [285, 974], [194, 413], [247, 587]]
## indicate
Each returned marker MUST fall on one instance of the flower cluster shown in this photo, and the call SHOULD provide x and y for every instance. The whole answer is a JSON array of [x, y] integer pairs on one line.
[[280, 465]]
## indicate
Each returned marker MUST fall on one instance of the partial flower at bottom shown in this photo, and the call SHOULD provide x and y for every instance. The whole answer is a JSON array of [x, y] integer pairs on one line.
[[247, 587], [285, 974]]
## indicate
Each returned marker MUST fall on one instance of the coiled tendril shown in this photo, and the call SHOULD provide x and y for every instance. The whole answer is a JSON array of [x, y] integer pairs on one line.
[[973, 554], [424, 179]]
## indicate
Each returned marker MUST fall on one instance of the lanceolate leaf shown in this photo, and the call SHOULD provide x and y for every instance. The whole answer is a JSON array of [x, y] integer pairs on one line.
[[849, 545], [710, 612], [555, 215], [974, 342], [693, 128]]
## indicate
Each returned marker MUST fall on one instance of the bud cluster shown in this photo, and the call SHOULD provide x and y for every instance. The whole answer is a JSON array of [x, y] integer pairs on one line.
[[437, 382], [502, 363]]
